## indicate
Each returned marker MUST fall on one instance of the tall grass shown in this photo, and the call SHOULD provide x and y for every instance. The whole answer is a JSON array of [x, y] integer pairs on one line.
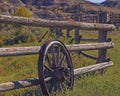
[[107, 84]]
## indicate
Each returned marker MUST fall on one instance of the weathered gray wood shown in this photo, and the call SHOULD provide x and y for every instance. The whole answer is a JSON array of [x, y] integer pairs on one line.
[[91, 68], [88, 56], [20, 84], [35, 81], [15, 51], [102, 52], [102, 37], [52, 23], [76, 35], [92, 46], [68, 32], [43, 37], [89, 39]]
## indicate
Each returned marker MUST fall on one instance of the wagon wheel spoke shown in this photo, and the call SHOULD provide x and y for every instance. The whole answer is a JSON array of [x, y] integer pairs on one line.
[[48, 65], [48, 68], [66, 75], [51, 85], [63, 86], [56, 85], [48, 59], [66, 79], [58, 54], [62, 60], [54, 61], [59, 87]]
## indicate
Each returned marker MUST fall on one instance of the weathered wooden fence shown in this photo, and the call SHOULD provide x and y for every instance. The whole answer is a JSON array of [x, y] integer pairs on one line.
[[115, 19], [94, 18], [102, 45]]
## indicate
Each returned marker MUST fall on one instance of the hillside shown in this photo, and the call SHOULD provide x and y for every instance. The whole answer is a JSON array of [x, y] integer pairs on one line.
[[112, 3], [59, 9], [11, 1], [65, 5]]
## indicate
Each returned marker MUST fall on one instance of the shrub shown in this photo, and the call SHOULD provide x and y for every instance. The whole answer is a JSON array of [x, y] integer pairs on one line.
[[23, 12], [20, 35], [31, 38], [2, 39]]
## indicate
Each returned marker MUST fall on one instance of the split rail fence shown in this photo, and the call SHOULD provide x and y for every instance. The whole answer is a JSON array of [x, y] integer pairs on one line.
[[102, 45], [94, 18]]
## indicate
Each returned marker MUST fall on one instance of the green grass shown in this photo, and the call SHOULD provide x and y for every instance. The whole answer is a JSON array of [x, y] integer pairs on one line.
[[107, 84]]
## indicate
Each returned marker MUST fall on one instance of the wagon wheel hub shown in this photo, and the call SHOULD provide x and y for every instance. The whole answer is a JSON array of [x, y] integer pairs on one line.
[[59, 74]]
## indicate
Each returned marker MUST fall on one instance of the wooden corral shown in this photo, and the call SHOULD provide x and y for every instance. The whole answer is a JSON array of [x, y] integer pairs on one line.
[[102, 45]]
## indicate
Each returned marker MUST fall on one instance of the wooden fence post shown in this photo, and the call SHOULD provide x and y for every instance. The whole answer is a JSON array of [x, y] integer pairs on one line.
[[67, 32], [77, 37], [102, 37], [59, 31]]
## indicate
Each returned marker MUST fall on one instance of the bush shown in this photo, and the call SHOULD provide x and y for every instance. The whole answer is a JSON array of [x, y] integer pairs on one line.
[[31, 38], [2, 39], [20, 35], [23, 12]]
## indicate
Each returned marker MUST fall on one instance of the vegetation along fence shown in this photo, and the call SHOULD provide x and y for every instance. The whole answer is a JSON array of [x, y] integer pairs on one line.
[[60, 71]]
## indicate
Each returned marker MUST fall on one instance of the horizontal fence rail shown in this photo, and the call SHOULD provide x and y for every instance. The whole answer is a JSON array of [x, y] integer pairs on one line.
[[35, 81], [91, 68], [53, 23], [15, 51], [90, 46], [89, 39], [20, 84]]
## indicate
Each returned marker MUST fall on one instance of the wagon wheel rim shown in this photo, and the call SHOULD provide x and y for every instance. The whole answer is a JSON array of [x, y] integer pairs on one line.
[[55, 62]]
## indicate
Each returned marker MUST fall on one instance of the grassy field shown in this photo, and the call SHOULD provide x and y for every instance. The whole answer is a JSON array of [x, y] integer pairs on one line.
[[22, 67]]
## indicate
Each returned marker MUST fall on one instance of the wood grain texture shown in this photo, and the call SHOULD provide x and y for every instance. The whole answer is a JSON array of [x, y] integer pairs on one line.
[[53, 23], [16, 51]]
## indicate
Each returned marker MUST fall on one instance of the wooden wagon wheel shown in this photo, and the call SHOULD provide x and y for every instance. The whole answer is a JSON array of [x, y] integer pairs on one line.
[[55, 62]]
